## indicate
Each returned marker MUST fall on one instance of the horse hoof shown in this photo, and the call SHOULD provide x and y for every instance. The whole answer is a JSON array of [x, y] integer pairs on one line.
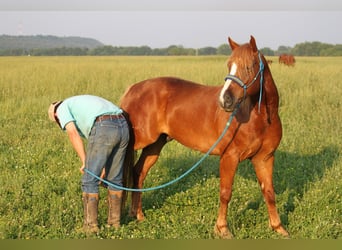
[[132, 213], [283, 232], [140, 217], [223, 232]]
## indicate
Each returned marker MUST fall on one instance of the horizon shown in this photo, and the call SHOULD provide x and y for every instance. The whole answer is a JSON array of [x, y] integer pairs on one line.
[[180, 45]]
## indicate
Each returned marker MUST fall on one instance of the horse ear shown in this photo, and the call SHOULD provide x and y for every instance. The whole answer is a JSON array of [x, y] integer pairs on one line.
[[253, 44], [232, 44]]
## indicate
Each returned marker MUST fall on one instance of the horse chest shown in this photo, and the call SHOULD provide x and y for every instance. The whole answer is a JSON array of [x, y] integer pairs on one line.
[[249, 139]]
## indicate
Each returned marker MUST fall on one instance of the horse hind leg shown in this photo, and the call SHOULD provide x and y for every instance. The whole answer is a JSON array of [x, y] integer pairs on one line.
[[147, 159], [264, 169]]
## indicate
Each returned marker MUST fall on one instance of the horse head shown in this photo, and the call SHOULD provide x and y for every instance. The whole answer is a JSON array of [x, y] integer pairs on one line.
[[245, 76]]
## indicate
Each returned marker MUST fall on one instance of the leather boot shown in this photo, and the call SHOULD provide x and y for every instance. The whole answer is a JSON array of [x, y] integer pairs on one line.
[[90, 207], [114, 208]]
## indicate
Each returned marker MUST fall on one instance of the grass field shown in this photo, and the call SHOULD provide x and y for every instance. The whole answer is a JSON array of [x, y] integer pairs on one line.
[[40, 196]]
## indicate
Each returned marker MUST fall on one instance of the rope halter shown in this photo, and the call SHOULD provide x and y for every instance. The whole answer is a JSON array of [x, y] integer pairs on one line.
[[241, 84]]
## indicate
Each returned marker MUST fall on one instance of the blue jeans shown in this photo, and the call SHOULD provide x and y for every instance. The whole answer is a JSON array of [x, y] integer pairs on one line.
[[106, 148]]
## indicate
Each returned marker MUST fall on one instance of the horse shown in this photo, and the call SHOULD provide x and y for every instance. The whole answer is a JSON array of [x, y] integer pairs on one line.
[[287, 59], [193, 114]]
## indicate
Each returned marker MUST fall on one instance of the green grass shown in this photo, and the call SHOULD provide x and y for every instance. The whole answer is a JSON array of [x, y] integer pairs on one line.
[[40, 196]]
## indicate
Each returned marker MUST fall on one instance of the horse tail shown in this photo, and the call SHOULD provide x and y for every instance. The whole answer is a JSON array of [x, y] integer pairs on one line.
[[129, 161]]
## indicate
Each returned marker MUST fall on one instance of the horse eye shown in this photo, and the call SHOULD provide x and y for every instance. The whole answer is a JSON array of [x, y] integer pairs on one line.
[[250, 68]]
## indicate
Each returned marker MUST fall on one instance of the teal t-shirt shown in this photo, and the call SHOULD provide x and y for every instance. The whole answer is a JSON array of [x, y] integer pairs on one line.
[[83, 110]]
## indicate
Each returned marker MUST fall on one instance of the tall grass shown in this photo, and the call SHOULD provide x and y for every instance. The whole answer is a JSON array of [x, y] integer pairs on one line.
[[40, 194]]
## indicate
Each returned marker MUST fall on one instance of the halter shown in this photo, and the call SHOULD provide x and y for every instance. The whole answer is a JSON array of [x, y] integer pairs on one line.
[[239, 82]]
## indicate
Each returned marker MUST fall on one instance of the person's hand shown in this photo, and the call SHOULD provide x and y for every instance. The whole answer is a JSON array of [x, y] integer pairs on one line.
[[103, 173], [82, 169]]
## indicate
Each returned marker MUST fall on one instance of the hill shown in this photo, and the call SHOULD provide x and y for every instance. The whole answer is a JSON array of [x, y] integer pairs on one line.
[[46, 42]]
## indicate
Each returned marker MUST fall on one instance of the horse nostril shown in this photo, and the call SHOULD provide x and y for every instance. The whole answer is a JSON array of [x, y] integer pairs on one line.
[[228, 100]]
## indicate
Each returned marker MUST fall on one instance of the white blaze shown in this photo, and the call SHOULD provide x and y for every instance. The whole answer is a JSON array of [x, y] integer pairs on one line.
[[227, 83]]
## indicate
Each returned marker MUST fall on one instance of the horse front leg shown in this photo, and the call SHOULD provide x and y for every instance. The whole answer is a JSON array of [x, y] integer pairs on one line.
[[228, 167], [264, 170], [148, 158]]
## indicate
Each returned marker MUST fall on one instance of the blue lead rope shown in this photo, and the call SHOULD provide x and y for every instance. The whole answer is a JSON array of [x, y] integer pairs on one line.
[[178, 178], [261, 69]]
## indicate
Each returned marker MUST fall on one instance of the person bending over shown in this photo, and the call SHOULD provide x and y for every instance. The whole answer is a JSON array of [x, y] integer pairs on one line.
[[105, 127]]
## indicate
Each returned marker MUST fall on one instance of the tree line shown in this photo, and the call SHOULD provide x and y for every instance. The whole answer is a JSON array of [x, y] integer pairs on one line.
[[301, 49]]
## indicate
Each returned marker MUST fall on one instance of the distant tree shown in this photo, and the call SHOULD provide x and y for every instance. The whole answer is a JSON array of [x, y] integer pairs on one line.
[[267, 51], [174, 50], [224, 49], [283, 50], [144, 50], [191, 52], [207, 51], [332, 51], [311, 48], [159, 52], [104, 50]]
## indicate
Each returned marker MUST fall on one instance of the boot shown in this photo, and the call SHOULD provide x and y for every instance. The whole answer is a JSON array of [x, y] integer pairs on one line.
[[114, 208], [90, 206]]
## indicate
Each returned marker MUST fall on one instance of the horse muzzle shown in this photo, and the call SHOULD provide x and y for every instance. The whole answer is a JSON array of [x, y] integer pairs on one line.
[[229, 102]]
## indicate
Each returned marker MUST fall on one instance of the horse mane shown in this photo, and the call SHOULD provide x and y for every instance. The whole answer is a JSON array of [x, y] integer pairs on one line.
[[271, 98], [271, 92]]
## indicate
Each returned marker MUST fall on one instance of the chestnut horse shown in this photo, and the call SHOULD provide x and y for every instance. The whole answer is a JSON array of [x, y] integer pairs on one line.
[[287, 59], [195, 115]]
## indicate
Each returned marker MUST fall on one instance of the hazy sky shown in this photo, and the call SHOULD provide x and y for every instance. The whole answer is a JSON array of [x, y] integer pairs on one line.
[[191, 23]]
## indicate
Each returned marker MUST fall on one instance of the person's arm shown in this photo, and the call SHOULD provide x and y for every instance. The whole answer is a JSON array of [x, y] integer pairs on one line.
[[76, 142]]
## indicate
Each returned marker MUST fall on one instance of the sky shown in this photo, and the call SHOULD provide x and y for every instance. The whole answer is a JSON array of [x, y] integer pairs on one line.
[[190, 23]]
